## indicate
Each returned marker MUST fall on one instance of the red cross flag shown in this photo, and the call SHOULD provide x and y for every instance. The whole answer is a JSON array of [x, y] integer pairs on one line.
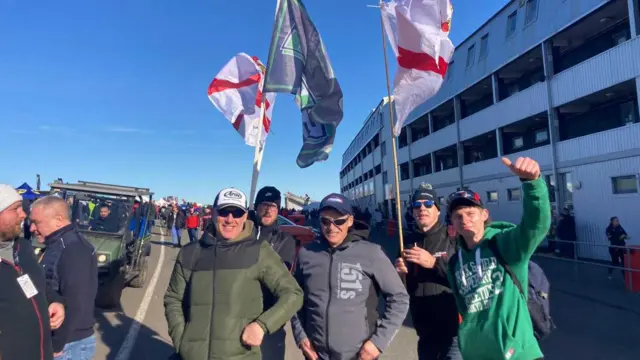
[[237, 93], [418, 31]]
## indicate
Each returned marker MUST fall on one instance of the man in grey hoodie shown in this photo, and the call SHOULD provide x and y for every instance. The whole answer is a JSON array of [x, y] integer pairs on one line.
[[342, 276]]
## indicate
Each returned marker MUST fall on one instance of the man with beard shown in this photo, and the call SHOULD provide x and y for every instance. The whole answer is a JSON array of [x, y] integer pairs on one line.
[[26, 328], [424, 262], [268, 201]]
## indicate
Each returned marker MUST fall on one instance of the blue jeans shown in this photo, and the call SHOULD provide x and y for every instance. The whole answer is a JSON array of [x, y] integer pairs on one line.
[[176, 236], [440, 350], [193, 234], [83, 349]]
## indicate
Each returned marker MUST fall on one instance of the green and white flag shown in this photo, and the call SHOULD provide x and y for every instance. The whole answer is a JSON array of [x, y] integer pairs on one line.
[[298, 64]]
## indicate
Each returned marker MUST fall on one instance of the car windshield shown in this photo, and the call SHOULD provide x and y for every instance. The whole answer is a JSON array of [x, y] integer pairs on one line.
[[103, 214], [284, 221]]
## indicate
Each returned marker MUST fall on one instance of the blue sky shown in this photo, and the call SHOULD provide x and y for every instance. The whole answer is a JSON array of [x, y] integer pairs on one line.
[[116, 91]]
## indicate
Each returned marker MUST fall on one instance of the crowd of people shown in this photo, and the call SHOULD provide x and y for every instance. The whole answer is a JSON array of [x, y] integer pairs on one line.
[[234, 288]]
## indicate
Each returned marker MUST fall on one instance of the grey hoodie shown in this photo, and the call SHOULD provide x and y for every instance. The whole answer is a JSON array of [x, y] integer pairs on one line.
[[341, 287]]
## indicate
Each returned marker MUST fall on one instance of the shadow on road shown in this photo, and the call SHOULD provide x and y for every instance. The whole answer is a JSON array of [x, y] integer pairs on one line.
[[163, 243], [113, 327]]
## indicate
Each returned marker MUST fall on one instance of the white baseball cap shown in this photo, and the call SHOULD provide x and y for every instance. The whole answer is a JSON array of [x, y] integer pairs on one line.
[[8, 196], [231, 197]]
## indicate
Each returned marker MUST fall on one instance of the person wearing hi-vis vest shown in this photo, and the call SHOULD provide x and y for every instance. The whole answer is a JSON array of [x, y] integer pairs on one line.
[[496, 323]]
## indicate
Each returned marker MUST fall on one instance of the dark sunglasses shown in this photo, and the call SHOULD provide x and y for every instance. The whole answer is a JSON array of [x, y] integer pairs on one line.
[[337, 222], [236, 213], [427, 203]]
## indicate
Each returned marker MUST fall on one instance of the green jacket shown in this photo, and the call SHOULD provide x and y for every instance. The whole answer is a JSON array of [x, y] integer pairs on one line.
[[215, 291], [496, 322]]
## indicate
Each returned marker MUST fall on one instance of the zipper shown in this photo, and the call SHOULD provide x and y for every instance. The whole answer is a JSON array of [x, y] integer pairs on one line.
[[326, 314], [34, 304]]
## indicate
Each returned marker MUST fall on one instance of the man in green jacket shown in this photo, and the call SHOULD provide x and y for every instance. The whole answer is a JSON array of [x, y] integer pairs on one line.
[[495, 320], [213, 304]]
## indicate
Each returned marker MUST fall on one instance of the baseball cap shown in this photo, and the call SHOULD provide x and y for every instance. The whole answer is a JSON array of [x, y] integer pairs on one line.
[[268, 194], [230, 197], [338, 202], [8, 196], [463, 198]]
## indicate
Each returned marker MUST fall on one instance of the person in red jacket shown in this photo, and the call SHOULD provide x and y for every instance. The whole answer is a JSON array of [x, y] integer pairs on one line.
[[193, 220]]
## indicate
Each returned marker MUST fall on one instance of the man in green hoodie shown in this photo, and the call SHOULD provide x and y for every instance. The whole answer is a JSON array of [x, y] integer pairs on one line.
[[495, 320]]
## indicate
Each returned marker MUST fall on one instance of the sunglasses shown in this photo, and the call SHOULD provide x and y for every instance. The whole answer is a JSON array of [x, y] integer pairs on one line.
[[236, 213], [337, 222], [427, 203]]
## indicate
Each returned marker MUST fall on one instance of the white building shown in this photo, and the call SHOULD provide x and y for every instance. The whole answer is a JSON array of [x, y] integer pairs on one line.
[[555, 80]]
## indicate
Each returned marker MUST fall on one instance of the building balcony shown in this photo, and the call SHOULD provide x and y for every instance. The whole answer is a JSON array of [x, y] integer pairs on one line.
[[528, 102], [435, 141], [602, 71], [598, 144], [439, 179], [495, 168]]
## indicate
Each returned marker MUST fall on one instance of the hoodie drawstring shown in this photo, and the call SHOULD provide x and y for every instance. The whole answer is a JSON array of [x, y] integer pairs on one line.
[[463, 278]]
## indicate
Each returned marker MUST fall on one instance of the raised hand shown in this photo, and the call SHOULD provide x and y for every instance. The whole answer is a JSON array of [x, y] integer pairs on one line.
[[524, 168]]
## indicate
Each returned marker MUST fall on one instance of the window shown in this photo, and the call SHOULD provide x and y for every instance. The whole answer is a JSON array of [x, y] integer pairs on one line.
[[513, 194], [531, 12], [541, 136], [620, 37], [492, 196], [627, 110], [625, 184], [441, 200], [385, 179], [518, 142], [471, 54], [511, 23], [484, 43], [383, 146], [551, 186]]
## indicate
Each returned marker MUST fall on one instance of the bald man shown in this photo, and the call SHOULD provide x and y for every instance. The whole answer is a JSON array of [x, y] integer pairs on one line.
[[70, 267]]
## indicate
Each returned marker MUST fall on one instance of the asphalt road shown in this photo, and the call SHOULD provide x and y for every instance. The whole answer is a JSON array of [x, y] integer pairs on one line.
[[587, 329]]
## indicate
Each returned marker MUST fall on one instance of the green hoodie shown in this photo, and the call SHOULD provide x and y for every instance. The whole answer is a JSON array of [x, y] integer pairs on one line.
[[496, 322]]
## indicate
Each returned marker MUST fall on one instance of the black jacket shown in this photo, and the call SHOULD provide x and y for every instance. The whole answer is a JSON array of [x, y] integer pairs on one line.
[[432, 304], [24, 323], [283, 244], [179, 219], [70, 267]]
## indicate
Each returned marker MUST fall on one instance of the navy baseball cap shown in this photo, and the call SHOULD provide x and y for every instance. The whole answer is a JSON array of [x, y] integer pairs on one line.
[[338, 202]]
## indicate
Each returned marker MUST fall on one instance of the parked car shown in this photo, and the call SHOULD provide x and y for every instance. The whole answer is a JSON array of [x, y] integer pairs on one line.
[[303, 234]]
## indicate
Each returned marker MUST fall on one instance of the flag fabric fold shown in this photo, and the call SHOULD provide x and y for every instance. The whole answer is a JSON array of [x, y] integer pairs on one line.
[[418, 31], [298, 64], [237, 93]]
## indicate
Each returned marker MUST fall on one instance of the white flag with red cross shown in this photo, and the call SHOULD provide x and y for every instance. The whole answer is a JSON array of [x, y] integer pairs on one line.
[[237, 92], [418, 31]]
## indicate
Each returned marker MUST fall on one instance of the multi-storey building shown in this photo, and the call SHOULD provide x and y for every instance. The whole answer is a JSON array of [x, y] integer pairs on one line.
[[555, 80]]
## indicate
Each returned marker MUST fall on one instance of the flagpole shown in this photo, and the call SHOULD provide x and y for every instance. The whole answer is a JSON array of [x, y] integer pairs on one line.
[[259, 152], [393, 137]]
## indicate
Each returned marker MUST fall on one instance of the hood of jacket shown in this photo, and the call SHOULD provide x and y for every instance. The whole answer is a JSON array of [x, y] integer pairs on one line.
[[212, 237]]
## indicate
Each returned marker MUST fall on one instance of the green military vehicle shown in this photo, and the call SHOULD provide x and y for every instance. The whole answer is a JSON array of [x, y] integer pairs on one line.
[[117, 221]]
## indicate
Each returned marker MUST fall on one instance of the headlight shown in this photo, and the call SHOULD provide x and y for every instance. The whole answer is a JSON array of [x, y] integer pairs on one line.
[[102, 258]]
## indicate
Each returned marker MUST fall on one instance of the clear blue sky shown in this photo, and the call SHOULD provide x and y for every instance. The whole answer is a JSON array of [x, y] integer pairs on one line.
[[116, 91]]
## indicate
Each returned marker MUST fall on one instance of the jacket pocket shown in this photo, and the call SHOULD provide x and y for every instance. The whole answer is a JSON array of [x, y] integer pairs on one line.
[[488, 340]]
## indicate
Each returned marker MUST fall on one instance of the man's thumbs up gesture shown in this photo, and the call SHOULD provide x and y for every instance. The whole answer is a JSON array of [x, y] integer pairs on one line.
[[524, 168]]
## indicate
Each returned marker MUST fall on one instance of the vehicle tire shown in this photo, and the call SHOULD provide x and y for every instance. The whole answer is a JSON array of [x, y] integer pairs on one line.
[[140, 279], [109, 293]]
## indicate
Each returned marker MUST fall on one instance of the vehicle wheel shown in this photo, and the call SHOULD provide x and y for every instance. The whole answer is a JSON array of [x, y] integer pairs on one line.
[[109, 293], [140, 279]]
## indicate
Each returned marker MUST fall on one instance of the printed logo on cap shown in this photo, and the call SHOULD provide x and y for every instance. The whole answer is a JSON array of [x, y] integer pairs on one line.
[[335, 199], [232, 194], [426, 194], [268, 194]]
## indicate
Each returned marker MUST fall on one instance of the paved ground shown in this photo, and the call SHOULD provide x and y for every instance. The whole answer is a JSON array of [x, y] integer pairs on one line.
[[596, 318]]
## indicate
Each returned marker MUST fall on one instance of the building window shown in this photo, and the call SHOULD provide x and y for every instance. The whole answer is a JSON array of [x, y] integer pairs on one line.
[[513, 194], [492, 196], [383, 146], [511, 23], [471, 55], [441, 200], [551, 186], [625, 184], [627, 110], [518, 142], [449, 71], [531, 12], [385, 180], [484, 46], [541, 136]]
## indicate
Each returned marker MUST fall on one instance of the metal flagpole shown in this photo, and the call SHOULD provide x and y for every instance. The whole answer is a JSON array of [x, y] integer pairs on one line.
[[393, 137], [257, 157]]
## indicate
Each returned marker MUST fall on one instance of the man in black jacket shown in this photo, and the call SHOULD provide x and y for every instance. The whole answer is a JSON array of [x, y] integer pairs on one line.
[[433, 307], [70, 267], [268, 201], [27, 317]]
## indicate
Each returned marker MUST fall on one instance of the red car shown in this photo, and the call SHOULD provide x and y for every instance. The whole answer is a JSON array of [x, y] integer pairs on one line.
[[304, 234]]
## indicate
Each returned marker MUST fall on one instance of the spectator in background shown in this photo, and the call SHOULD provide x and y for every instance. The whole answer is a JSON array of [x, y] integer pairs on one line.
[[617, 236], [175, 223], [71, 270], [206, 219], [566, 232], [192, 223]]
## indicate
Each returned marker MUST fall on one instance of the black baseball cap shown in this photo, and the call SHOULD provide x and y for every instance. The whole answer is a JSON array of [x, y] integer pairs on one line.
[[463, 198], [337, 202]]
